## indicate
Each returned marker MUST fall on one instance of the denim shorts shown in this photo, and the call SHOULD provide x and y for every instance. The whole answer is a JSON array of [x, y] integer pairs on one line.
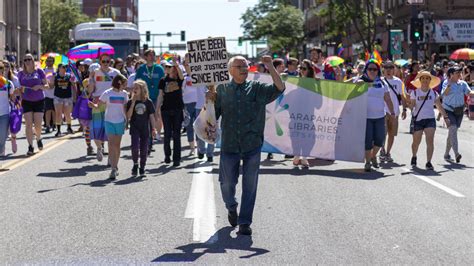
[[374, 133], [63, 101], [425, 123], [114, 128]]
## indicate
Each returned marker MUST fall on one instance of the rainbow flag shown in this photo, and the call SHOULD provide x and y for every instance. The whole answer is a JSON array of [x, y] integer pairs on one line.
[[340, 49], [3, 82], [167, 56], [367, 55], [75, 72], [376, 56]]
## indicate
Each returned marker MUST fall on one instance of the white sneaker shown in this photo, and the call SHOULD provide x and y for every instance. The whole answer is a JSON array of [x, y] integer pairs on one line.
[[100, 155], [113, 174], [305, 163]]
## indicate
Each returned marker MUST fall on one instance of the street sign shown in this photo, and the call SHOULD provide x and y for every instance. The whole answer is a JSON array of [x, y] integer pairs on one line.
[[262, 51], [258, 42], [177, 46], [415, 2]]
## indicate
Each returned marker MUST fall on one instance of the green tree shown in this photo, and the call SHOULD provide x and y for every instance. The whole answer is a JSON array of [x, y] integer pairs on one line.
[[342, 15], [57, 17], [277, 21]]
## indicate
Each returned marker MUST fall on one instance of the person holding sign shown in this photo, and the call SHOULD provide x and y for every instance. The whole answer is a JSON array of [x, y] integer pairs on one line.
[[241, 103], [171, 106]]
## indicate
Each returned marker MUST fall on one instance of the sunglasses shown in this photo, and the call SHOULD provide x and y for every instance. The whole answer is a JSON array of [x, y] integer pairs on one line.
[[372, 69], [105, 61], [27, 59], [1, 68], [303, 68]]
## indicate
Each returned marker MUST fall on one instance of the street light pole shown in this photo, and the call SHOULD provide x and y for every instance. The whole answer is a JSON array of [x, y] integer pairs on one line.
[[389, 21]]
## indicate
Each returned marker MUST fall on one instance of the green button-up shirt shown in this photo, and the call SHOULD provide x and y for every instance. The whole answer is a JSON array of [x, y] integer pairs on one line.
[[242, 107]]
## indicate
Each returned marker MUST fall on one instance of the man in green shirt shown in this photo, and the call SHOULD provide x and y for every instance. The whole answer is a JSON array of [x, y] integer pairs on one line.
[[241, 103]]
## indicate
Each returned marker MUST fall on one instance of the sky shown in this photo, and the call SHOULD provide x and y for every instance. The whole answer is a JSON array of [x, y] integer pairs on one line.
[[199, 18]]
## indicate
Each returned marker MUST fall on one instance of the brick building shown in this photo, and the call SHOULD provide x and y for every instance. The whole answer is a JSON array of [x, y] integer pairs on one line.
[[118, 10], [19, 28], [440, 17]]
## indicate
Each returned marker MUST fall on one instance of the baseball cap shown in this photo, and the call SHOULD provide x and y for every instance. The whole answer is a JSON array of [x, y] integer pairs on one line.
[[388, 64], [87, 61], [453, 69], [166, 63]]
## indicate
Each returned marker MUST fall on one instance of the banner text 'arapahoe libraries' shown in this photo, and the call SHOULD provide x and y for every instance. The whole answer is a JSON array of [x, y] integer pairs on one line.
[[208, 61]]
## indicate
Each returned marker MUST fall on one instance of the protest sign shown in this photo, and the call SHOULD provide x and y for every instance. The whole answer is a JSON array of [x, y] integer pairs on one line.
[[208, 61], [316, 118]]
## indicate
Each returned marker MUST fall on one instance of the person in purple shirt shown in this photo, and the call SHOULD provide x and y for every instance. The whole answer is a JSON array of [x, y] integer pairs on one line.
[[33, 82]]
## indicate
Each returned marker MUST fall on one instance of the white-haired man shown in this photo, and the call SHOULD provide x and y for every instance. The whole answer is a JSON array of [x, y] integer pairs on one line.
[[241, 103]]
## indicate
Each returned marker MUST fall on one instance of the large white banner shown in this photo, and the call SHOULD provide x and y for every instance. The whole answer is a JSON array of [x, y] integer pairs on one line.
[[454, 31], [321, 119]]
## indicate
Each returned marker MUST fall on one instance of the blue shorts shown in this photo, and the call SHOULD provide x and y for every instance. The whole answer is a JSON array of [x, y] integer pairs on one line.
[[114, 128], [374, 133], [425, 123]]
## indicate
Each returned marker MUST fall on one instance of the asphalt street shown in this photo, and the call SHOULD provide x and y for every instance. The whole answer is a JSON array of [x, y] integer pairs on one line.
[[58, 207]]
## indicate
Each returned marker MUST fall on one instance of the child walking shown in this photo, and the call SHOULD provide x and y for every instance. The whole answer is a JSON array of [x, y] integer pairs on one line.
[[115, 100], [140, 113]]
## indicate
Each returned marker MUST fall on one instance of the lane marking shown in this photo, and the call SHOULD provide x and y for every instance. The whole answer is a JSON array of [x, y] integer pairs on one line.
[[5, 168], [436, 184], [202, 206]]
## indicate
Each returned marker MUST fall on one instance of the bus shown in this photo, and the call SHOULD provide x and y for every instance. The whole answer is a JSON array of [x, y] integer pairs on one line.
[[123, 36]]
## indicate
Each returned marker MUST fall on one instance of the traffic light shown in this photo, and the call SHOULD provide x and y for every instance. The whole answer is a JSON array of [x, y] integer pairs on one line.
[[240, 41], [183, 36], [145, 47], [148, 35], [417, 30]]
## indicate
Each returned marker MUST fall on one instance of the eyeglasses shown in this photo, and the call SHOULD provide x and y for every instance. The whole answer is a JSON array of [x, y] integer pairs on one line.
[[241, 67], [27, 59], [105, 61], [372, 69]]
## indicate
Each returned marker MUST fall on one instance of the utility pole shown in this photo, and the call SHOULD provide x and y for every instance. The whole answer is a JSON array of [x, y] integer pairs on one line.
[[414, 43]]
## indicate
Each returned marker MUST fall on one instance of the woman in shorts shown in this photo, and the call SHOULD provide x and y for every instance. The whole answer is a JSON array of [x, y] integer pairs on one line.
[[421, 102], [33, 82], [63, 86]]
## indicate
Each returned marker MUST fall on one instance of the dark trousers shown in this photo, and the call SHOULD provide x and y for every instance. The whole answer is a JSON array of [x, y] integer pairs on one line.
[[139, 146], [172, 120]]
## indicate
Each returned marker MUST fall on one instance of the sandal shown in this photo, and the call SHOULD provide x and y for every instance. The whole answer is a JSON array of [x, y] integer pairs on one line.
[[296, 161]]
